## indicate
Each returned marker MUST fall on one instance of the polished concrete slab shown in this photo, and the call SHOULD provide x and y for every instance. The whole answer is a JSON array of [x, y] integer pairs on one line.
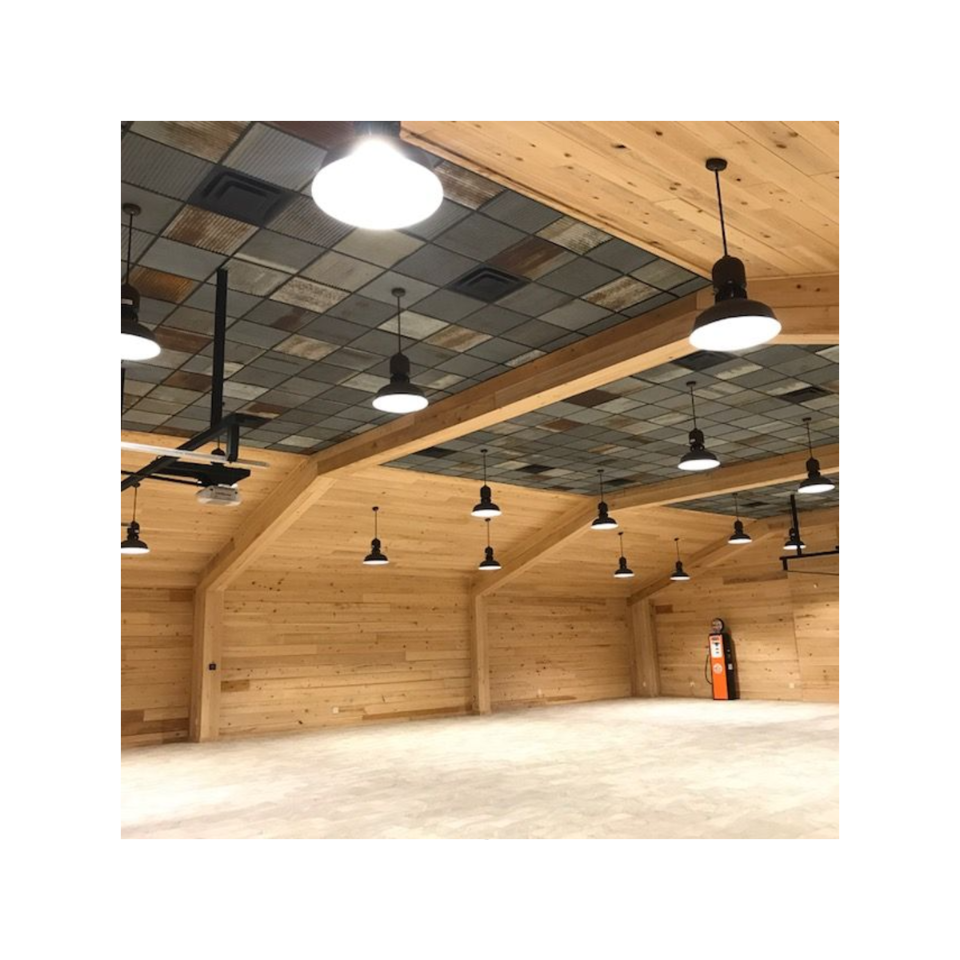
[[621, 768]]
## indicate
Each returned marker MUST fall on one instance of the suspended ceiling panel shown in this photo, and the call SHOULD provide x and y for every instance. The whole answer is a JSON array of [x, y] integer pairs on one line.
[[311, 318], [767, 501], [645, 181], [750, 406]]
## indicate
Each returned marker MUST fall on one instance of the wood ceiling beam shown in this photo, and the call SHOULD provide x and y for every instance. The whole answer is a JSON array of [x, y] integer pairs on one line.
[[746, 475]]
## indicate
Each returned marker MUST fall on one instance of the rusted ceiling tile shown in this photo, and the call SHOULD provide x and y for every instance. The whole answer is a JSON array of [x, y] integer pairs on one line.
[[294, 319], [309, 294], [160, 285], [457, 338], [620, 293], [532, 258], [306, 347], [209, 139], [172, 339], [464, 186], [574, 235], [328, 134], [592, 398], [560, 425], [269, 410], [188, 381], [209, 231]]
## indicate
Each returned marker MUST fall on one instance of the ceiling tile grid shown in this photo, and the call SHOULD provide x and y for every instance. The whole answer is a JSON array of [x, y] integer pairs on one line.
[[750, 406], [766, 502], [311, 319]]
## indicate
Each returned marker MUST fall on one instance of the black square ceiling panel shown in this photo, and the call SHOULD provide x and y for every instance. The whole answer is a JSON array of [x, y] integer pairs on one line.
[[240, 196], [487, 283]]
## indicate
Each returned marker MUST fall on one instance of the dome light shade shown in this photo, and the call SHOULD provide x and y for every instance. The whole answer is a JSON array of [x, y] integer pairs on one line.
[[739, 535], [377, 182], [488, 562], [133, 546], [734, 322], [815, 482], [793, 541], [698, 457], [603, 521], [623, 572], [678, 572], [375, 558], [486, 507], [399, 395], [137, 342]]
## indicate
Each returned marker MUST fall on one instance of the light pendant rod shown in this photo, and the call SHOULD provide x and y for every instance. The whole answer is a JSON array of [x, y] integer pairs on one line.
[[620, 535], [136, 490], [796, 524], [676, 541], [484, 452], [736, 505], [806, 423], [723, 228], [398, 292], [131, 211], [693, 401]]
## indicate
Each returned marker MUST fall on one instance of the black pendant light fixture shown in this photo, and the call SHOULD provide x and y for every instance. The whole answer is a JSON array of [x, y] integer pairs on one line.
[[739, 534], [486, 508], [793, 541], [623, 572], [133, 546], [375, 558], [678, 573], [734, 322], [137, 342], [488, 562], [399, 395], [698, 457], [604, 521], [377, 181], [815, 482]]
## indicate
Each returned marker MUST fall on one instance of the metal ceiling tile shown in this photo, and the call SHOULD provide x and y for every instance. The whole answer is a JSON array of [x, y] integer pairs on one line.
[[366, 382], [383, 286], [338, 270], [172, 339], [445, 216], [306, 347], [458, 339], [209, 231], [253, 279], [532, 257], [160, 169], [479, 237], [574, 315], [254, 334], [328, 134], [156, 211], [274, 156], [283, 316], [447, 305], [464, 186], [521, 212], [621, 255], [413, 325], [578, 277], [178, 258], [209, 139], [309, 294], [277, 251], [620, 293], [382, 247], [160, 285], [138, 240], [663, 274], [357, 309], [304, 220], [574, 235], [435, 265]]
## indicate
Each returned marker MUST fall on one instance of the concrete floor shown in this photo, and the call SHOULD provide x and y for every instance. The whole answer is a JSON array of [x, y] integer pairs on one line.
[[622, 768]]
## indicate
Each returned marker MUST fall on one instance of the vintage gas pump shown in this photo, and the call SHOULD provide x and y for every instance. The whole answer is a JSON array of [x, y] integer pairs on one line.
[[721, 666]]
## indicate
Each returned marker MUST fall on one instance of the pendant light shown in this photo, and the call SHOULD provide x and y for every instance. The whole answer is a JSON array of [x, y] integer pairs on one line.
[[604, 521], [623, 572], [678, 573], [376, 181], [734, 322], [136, 341], [815, 482], [133, 546], [488, 562], [375, 558], [486, 507], [739, 535], [399, 395], [793, 541], [699, 457]]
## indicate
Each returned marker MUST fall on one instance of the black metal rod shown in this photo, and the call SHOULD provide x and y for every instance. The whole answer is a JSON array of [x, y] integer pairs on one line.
[[218, 429], [219, 348], [835, 552], [189, 483], [233, 442], [796, 523]]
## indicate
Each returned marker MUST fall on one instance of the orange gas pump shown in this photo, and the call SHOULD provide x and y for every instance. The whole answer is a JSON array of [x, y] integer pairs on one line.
[[720, 668]]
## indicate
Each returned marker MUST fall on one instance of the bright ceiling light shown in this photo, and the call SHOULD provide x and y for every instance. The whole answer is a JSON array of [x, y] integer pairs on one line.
[[739, 535], [623, 572], [486, 507], [137, 342], [488, 562], [734, 322], [698, 457], [603, 521], [377, 181], [375, 558], [679, 573], [399, 395], [133, 546], [815, 482]]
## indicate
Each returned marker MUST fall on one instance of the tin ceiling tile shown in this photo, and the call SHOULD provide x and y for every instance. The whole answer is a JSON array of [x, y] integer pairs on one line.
[[620, 293], [139, 241], [663, 274], [433, 264], [277, 251], [620, 255], [521, 212], [209, 139], [479, 237], [304, 220], [382, 247], [464, 186], [160, 169], [525, 358], [413, 325], [156, 211], [458, 339], [532, 257], [276, 157], [329, 134], [172, 339], [309, 294], [339, 270], [189, 381], [181, 259], [209, 231], [160, 285], [574, 235], [253, 279], [306, 347], [447, 214]]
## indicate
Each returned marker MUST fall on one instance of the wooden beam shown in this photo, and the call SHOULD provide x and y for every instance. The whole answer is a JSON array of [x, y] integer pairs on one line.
[[645, 662], [207, 649], [745, 475], [479, 655], [631, 347]]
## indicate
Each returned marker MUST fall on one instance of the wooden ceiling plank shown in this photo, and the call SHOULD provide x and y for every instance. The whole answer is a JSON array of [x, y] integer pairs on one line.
[[791, 145]]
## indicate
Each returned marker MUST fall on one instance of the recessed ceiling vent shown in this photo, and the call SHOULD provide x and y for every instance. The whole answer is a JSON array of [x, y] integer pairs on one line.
[[487, 283], [234, 194]]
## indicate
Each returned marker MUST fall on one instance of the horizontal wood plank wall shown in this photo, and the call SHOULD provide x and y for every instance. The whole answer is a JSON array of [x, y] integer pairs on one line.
[[156, 631], [341, 647], [816, 620], [753, 596], [556, 649]]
